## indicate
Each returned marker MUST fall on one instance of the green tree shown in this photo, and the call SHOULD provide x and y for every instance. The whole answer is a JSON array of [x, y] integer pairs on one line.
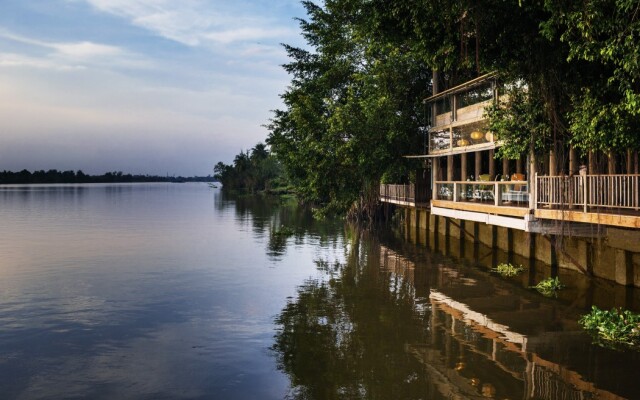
[[353, 107]]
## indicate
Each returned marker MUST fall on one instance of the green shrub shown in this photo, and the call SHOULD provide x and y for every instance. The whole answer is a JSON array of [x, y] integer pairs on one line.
[[508, 269], [549, 287], [614, 327]]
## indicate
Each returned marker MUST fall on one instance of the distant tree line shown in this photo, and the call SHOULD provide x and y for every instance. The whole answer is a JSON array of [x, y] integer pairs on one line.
[[55, 176], [252, 171]]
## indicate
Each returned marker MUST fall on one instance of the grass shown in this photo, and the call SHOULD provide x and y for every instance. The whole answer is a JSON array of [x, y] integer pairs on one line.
[[613, 328], [549, 287], [508, 269]]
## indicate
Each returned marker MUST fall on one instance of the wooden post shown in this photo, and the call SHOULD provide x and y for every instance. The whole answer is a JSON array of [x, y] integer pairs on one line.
[[435, 164], [492, 163], [629, 161], [463, 174], [611, 163], [532, 178], [553, 163], [505, 168], [635, 163], [519, 165], [463, 166], [478, 155], [593, 170], [573, 161], [449, 168]]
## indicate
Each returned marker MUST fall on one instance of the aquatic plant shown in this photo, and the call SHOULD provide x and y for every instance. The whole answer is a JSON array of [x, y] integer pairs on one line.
[[283, 231], [613, 327], [549, 287], [508, 269]]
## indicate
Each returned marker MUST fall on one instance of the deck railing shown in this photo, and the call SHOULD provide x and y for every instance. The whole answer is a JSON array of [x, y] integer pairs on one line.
[[404, 193], [498, 193], [589, 192]]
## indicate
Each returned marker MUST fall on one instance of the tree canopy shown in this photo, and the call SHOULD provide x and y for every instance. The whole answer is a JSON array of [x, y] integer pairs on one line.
[[252, 171], [354, 104]]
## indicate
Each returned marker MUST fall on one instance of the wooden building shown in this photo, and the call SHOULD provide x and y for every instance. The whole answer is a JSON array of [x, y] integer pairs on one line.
[[563, 201]]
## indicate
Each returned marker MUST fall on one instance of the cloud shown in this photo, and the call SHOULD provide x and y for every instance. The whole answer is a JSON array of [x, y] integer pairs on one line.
[[193, 22], [19, 60], [246, 34], [87, 50], [70, 55]]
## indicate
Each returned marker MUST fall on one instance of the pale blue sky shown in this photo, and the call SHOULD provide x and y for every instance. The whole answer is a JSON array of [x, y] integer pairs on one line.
[[141, 86]]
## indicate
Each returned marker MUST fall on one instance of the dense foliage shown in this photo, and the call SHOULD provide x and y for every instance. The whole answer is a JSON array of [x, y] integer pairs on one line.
[[55, 176], [613, 327], [353, 107], [252, 171]]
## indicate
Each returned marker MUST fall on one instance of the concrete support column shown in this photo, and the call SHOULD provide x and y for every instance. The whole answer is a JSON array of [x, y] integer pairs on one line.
[[624, 268]]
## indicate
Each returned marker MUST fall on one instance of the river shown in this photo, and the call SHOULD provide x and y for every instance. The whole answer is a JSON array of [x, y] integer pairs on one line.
[[178, 291]]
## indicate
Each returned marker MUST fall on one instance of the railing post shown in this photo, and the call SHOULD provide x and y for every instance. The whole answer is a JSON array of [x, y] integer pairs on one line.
[[586, 192], [496, 193], [533, 193], [455, 192]]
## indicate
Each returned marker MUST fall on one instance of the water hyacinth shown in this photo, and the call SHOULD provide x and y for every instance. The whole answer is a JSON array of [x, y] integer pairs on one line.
[[613, 327]]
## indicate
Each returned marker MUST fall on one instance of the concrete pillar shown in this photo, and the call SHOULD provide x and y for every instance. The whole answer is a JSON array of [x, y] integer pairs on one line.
[[624, 268]]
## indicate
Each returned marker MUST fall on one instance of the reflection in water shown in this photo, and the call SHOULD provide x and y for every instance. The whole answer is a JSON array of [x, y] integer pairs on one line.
[[170, 291], [407, 323]]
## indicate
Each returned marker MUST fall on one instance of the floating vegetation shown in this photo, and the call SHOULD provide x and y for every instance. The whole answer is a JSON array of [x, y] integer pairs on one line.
[[508, 269], [549, 287], [613, 328], [283, 231]]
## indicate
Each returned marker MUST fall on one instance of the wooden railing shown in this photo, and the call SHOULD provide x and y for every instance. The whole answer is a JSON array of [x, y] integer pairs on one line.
[[589, 192], [498, 193], [404, 193]]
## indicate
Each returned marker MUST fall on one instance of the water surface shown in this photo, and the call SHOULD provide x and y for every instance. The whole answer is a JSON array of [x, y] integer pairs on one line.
[[178, 291]]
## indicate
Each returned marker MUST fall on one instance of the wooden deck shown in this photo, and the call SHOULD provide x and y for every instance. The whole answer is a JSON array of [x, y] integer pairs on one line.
[[607, 200]]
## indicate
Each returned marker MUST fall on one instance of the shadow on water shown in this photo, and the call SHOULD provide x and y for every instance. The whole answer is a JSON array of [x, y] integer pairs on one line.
[[397, 320]]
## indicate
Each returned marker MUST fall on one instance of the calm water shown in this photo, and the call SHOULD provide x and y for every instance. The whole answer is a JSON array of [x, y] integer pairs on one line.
[[176, 291]]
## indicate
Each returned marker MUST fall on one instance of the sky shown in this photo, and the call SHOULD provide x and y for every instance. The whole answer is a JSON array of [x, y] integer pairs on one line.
[[139, 86]]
